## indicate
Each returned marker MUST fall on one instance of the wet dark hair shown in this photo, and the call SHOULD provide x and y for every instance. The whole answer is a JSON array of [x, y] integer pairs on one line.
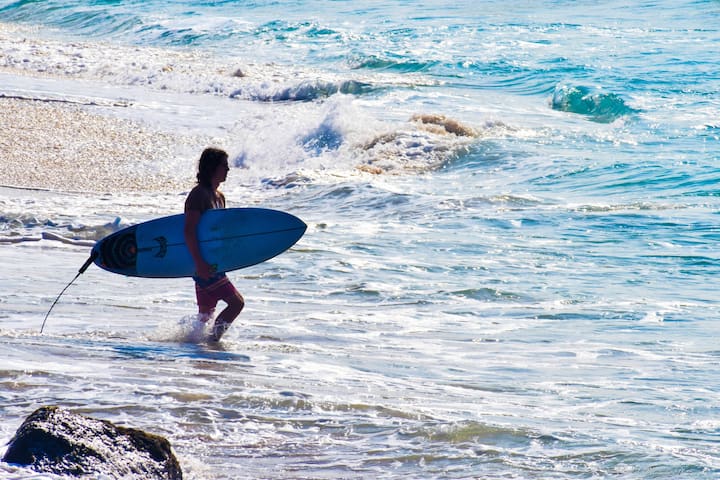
[[210, 159]]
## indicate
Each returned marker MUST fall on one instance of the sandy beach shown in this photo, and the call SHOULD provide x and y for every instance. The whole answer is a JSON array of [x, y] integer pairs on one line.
[[67, 147]]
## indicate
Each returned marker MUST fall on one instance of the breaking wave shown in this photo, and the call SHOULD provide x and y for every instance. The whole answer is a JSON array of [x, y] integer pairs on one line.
[[597, 105], [399, 65], [303, 91], [173, 70]]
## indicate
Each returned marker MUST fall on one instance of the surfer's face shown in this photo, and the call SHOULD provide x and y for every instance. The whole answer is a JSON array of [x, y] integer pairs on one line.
[[221, 172]]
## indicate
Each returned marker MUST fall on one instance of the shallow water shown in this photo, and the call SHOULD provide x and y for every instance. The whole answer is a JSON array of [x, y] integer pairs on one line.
[[509, 263]]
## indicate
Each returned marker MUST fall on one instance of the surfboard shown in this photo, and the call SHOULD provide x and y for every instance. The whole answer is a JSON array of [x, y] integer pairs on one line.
[[230, 239]]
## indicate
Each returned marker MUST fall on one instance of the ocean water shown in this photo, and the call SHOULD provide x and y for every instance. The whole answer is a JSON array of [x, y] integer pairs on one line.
[[511, 259]]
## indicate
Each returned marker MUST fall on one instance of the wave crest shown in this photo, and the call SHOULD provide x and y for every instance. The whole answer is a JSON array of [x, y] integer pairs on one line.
[[304, 91], [598, 106], [400, 65]]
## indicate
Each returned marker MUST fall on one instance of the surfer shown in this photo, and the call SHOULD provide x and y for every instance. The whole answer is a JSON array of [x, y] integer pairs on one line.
[[211, 286]]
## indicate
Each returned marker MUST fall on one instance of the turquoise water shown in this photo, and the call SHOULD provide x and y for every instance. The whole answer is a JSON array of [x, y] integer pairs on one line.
[[510, 265]]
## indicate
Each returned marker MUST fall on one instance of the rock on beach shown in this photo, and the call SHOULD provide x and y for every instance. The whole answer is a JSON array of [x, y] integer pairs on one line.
[[55, 440]]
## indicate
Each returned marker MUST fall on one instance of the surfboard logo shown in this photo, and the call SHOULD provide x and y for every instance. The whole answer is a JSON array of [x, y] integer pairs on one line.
[[119, 250], [162, 241]]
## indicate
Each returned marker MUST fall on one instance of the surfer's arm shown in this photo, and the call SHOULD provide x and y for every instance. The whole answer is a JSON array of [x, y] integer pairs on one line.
[[192, 219]]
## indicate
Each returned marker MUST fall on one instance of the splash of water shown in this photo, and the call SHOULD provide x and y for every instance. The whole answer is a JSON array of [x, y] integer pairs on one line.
[[188, 329]]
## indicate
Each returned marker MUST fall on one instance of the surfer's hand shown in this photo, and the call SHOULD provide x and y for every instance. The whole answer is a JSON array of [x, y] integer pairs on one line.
[[204, 270]]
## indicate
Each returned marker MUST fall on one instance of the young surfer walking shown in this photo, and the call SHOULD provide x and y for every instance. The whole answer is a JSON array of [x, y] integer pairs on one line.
[[210, 286]]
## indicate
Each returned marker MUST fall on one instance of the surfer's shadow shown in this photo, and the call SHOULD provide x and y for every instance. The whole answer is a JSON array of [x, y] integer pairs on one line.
[[172, 352]]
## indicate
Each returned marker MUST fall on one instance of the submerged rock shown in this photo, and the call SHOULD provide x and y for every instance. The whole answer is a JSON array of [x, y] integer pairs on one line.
[[54, 440]]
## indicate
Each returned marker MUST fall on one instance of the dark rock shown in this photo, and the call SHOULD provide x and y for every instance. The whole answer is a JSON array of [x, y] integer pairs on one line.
[[54, 440]]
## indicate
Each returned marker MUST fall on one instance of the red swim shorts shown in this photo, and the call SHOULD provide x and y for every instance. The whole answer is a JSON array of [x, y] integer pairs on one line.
[[208, 296]]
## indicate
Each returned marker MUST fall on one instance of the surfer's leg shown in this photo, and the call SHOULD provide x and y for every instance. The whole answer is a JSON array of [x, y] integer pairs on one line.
[[206, 303], [235, 304]]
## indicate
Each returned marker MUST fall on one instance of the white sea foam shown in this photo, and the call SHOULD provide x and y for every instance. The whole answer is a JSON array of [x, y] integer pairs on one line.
[[189, 329]]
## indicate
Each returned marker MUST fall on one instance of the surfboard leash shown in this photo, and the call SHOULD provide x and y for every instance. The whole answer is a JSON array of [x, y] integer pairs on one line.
[[85, 266]]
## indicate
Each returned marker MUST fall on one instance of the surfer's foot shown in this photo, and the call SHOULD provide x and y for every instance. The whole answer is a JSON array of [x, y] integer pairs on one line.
[[218, 330]]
